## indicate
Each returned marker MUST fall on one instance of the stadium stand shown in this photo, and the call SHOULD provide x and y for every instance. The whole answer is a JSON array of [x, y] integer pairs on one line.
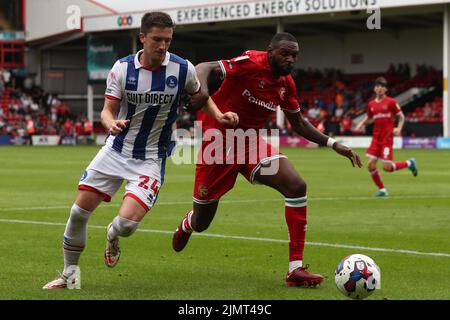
[[27, 110], [331, 100]]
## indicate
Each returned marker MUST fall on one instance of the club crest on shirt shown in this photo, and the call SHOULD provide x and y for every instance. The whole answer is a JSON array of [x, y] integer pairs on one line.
[[172, 82], [384, 107], [203, 191], [282, 93], [261, 84]]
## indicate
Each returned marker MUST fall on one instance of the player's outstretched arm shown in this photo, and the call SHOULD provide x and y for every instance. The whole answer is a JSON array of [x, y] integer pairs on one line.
[[228, 118], [349, 153], [362, 123], [108, 117], [401, 121], [204, 71], [308, 131]]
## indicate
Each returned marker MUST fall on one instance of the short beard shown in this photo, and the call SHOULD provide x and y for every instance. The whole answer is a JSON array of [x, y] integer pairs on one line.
[[280, 71], [286, 72]]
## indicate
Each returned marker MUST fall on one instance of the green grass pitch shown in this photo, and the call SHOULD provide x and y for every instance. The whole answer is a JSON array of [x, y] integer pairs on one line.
[[244, 253]]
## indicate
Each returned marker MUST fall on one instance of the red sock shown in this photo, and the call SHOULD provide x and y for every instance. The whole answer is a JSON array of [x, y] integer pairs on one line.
[[295, 213], [400, 165], [377, 179]]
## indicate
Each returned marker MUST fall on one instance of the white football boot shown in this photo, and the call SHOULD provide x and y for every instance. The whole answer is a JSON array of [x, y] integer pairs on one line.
[[60, 282], [112, 250]]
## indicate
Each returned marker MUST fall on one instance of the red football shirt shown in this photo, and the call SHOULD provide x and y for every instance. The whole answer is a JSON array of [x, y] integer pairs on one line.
[[383, 113], [250, 90]]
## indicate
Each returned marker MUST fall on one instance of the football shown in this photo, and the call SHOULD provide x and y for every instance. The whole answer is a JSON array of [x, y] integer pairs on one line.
[[357, 276]]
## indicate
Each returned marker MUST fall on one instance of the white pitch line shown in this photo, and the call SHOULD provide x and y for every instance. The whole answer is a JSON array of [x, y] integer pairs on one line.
[[170, 203], [48, 208], [211, 235]]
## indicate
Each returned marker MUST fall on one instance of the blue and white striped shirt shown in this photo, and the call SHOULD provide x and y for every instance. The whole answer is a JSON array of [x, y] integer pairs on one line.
[[150, 99]]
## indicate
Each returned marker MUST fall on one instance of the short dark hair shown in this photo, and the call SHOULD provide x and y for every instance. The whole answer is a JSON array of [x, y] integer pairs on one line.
[[381, 81], [282, 36], [156, 19]]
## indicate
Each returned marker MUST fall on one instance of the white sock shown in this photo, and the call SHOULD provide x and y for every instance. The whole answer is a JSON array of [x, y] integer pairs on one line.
[[122, 227], [75, 235], [295, 264]]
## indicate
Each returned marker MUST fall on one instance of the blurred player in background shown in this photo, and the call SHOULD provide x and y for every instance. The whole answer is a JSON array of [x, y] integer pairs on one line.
[[141, 103], [383, 110], [254, 85]]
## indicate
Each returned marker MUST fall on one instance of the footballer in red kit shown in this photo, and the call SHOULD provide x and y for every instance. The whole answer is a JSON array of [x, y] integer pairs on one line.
[[250, 90], [383, 113], [259, 96], [255, 84], [383, 110]]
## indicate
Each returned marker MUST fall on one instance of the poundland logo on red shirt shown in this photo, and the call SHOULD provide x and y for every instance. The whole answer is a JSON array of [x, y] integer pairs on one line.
[[268, 105], [382, 115]]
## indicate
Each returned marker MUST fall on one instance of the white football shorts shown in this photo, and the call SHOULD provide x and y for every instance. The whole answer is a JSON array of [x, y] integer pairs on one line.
[[109, 169]]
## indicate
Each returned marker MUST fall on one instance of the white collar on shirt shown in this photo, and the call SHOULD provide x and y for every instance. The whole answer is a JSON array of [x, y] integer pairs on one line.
[[138, 65]]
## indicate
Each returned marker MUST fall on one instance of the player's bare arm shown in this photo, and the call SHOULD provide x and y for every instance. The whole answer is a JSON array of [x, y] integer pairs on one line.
[[199, 98], [204, 71], [194, 102], [308, 131], [228, 118], [362, 123], [401, 121], [207, 69], [108, 116]]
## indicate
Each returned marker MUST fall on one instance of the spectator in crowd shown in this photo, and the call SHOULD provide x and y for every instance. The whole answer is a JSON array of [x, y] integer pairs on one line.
[[428, 111], [332, 108], [339, 113], [313, 112], [79, 129], [321, 103], [346, 126], [62, 111], [6, 77], [67, 132], [2, 84], [87, 125], [339, 99], [31, 129], [28, 85], [27, 110], [2, 124], [334, 96]]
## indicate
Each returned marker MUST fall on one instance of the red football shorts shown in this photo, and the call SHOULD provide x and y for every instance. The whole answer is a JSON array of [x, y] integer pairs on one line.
[[215, 178], [382, 150]]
